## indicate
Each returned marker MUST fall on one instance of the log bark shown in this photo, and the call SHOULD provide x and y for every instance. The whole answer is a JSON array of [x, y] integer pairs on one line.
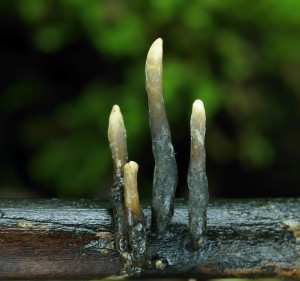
[[65, 239]]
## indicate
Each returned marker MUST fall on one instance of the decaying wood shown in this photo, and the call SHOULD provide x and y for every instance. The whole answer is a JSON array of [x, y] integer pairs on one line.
[[59, 239]]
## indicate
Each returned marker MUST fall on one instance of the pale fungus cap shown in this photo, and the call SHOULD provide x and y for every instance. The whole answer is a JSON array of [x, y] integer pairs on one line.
[[153, 67], [198, 120], [155, 52], [117, 137], [198, 110]]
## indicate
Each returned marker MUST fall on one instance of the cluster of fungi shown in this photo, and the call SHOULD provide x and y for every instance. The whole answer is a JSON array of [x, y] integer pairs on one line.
[[131, 229]]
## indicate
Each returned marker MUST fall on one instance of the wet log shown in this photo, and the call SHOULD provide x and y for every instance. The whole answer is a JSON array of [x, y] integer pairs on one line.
[[65, 239]]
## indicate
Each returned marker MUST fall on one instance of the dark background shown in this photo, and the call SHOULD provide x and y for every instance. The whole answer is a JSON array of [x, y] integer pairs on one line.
[[64, 64]]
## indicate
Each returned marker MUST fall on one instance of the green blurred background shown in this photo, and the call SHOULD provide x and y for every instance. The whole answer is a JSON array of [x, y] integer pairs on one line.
[[65, 63]]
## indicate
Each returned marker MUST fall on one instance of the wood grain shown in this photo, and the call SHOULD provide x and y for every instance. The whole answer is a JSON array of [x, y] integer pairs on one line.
[[65, 239]]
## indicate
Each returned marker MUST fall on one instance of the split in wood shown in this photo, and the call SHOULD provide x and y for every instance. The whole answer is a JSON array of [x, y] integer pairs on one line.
[[118, 147], [135, 220], [197, 180], [165, 171]]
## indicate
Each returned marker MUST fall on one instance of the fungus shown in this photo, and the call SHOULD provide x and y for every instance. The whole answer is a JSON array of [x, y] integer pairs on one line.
[[165, 171], [197, 180], [118, 147], [129, 219], [133, 211], [134, 216]]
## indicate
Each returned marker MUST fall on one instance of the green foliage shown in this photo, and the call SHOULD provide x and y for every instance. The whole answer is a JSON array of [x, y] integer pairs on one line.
[[242, 58]]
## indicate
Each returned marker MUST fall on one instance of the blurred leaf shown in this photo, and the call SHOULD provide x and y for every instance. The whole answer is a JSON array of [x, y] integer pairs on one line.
[[50, 38], [197, 17], [210, 93], [233, 50], [32, 10], [88, 109], [163, 11], [75, 165], [125, 37], [256, 150], [19, 95]]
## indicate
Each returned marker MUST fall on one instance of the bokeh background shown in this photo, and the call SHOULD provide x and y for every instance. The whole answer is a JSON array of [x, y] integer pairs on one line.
[[65, 63]]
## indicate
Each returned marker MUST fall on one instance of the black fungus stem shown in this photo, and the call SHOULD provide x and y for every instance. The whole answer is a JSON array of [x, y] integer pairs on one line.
[[165, 171], [197, 180], [118, 147], [135, 220]]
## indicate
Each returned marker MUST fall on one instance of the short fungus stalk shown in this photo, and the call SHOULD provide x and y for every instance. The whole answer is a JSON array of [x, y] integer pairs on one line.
[[197, 180], [165, 171], [135, 220], [118, 147]]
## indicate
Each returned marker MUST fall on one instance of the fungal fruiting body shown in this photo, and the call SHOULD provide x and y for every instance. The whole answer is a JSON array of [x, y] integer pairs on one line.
[[129, 219], [133, 211], [197, 180], [134, 216], [118, 147], [165, 171]]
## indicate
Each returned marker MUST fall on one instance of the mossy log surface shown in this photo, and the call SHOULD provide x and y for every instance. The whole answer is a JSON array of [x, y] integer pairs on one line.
[[64, 239]]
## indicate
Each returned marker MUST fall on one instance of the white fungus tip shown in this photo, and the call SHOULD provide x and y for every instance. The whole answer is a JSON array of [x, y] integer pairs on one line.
[[198, 112], [198, 107], [115, 115], [131, 166], [115, 108], [156, 50], [117, 137]]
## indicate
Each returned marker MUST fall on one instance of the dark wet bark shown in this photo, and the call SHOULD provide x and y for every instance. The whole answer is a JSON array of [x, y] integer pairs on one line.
[[59, 239]]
